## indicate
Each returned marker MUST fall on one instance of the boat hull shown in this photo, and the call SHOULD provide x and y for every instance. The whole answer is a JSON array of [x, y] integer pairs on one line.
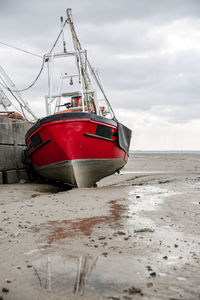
[[77, 148], [81, 172]]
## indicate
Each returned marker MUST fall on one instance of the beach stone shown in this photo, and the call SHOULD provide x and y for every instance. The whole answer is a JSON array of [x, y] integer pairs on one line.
[[8, 281], [101, 237], [121, 233], [149, 284], [133, 291], [149, 268]]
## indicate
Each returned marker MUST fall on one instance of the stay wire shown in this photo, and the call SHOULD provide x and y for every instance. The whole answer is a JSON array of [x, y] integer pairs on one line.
[[18, 110], [20, 49], [5, 86], [101, 87], [43, 61], [58, 37], [37, 77]]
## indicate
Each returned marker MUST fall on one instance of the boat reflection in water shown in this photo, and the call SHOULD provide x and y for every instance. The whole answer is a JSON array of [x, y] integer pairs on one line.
[[65, 273], [87, 275], [86, 265]]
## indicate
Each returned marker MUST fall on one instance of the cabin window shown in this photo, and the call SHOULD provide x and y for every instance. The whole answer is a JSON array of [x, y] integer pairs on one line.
[[35, 140], [104, 131]]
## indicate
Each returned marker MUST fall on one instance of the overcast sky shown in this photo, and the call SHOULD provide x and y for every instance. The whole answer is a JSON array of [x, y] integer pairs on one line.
[[147, 51]]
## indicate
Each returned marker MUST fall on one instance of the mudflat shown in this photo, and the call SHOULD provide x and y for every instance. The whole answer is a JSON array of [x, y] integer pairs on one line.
[[135, 236]]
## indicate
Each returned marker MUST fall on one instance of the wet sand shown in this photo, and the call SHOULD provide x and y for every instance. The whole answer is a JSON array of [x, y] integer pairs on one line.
[[135, 236]]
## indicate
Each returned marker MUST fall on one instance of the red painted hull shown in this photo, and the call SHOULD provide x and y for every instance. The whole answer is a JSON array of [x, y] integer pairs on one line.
[[66, 149]]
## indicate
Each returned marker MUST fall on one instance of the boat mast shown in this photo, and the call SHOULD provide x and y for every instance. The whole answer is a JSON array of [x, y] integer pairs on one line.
[[63, 36], [81, 62], [86, 74]]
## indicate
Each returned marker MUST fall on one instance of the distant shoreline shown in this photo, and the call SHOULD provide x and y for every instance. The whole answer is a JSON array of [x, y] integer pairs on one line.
[[165, 151]]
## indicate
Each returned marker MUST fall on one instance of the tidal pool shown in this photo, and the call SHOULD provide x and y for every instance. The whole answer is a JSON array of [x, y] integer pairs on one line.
[[85, 275]]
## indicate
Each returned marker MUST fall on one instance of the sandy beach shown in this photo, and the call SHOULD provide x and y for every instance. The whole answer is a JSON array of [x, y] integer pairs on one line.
[[135, 236]]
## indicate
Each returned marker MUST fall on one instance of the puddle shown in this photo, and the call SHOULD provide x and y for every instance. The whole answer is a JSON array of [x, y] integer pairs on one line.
[[173, 260], [196, 203], [33, 251], [147, 198], [126, 172], [144, 198], [86, 275], [177, 289], [182, 278], [162, 274], [63, 229]]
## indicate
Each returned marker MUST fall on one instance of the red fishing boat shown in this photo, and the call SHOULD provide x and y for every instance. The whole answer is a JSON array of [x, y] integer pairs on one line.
[[84, 142]]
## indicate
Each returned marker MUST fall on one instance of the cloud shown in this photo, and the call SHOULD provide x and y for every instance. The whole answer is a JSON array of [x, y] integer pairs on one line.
[[147, 52]]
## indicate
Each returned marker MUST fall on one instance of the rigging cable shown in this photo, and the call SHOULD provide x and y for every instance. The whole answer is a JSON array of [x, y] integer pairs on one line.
[[10, 91], [58, 37], [37, 77], [14, 97], [43, 61], [26, 51], [100, 86], [20, 104]]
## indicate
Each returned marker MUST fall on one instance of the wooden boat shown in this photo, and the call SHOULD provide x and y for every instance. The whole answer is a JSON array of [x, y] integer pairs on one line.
[[84, 142]]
